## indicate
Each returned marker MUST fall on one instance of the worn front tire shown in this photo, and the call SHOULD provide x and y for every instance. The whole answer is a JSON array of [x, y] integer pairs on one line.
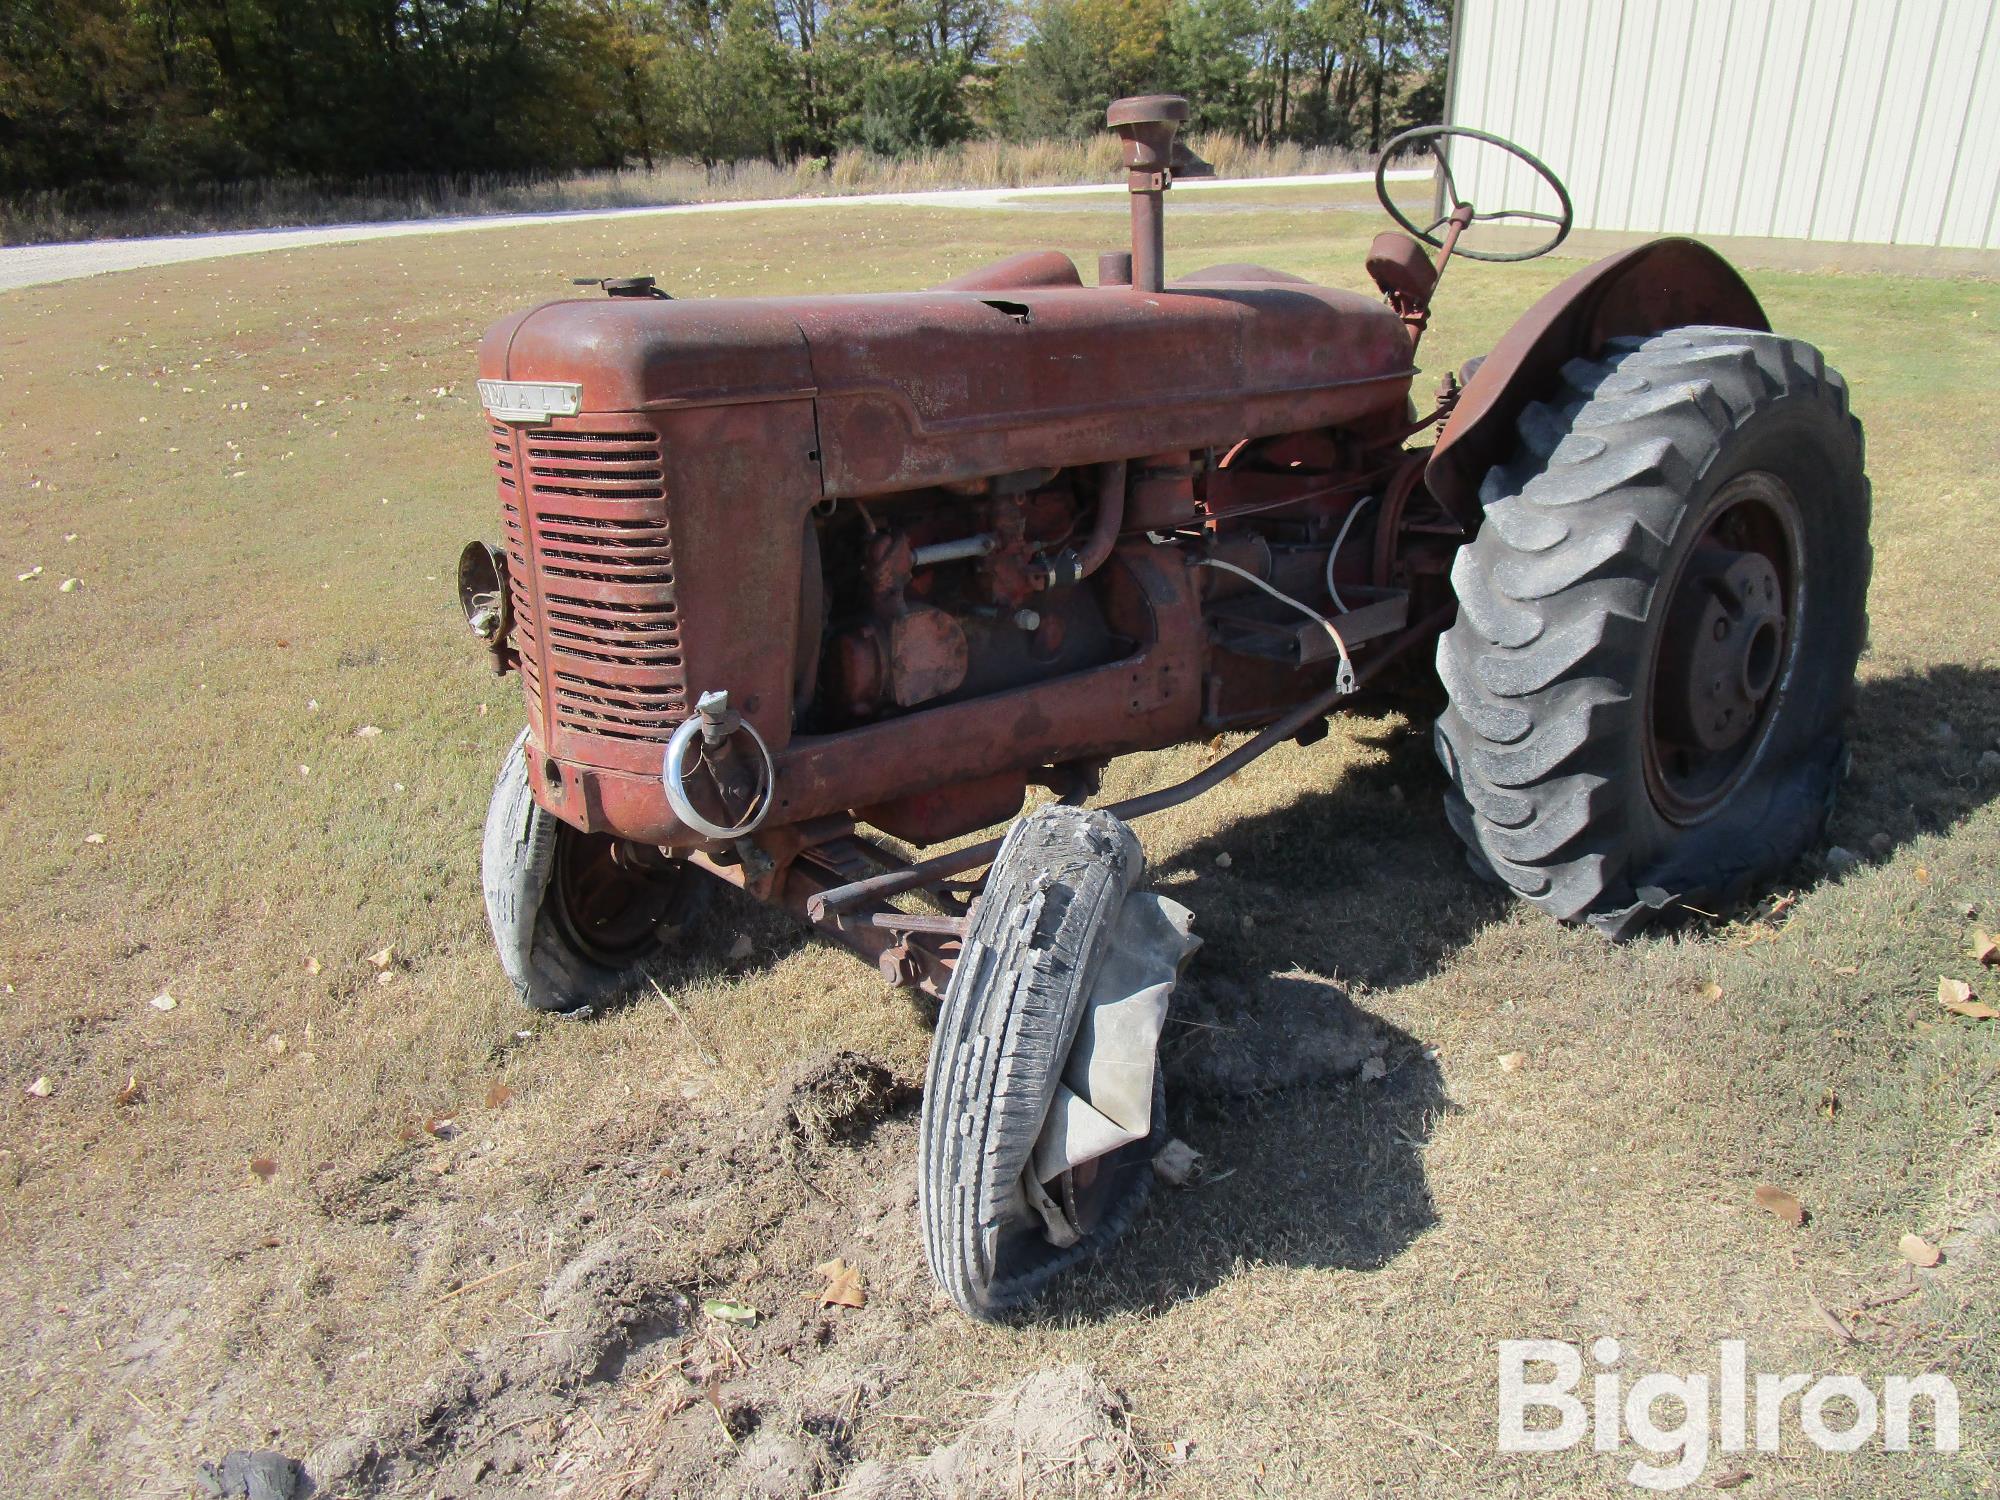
[[1658, 627], [572, 925], [1009, 1019]]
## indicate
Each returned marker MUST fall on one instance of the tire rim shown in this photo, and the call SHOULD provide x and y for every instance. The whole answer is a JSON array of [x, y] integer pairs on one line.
[[1724, 657], [609, 911]]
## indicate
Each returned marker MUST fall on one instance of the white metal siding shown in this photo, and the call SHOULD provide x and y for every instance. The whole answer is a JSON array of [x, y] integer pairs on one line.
[[1866, 120]]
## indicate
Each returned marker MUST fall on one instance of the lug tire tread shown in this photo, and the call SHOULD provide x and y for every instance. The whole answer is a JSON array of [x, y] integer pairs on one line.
[[1556, 590]]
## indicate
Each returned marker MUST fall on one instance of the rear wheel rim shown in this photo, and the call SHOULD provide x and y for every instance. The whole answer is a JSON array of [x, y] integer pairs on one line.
[[609, 911], [1725, 651]]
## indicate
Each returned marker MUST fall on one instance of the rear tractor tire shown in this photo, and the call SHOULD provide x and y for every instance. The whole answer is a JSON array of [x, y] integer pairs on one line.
[[575, 920], [1658, 627], [1059, 931]]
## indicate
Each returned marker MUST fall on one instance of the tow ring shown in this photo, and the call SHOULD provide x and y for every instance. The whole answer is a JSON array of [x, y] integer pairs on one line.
[[715, 723]]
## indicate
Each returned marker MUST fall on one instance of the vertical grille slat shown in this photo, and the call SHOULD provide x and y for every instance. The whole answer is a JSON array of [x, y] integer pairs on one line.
[[590, 546]]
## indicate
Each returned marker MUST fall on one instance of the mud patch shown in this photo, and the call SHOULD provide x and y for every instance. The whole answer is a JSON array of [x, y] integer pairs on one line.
[[1060, 1431], [782, 1466], [841, 1098], [375, 1194], [617, 1382]]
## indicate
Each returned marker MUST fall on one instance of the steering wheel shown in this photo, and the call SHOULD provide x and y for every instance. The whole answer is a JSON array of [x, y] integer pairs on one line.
[[1435, 135]]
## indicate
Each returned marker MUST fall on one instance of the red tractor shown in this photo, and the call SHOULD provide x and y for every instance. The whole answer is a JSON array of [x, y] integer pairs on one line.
[[795, 584]]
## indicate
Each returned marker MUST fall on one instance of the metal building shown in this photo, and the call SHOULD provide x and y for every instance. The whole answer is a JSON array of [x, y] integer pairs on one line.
[[1871, 121]]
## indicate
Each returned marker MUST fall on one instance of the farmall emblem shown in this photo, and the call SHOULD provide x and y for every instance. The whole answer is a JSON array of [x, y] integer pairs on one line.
[[530, 400]]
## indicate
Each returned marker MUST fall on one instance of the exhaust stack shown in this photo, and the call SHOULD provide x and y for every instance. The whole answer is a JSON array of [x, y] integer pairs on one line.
[[1147, 123]]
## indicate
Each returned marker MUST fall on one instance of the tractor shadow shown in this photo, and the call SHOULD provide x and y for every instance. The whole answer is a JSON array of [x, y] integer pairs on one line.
[[1312, 1111], [1916, 740], [1315, 1112]]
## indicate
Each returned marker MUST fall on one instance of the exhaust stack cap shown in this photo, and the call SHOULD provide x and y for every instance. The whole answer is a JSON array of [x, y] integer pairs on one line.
[[1147, 124]]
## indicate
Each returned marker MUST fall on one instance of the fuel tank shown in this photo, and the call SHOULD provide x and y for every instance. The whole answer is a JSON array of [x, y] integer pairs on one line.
[[921, 388]]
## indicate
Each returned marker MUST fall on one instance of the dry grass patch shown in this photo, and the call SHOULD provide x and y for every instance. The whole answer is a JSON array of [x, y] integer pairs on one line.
[[281, 202], [260, 471]]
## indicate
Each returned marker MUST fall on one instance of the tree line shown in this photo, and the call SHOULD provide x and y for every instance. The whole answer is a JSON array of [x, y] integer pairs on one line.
[[169, 92]]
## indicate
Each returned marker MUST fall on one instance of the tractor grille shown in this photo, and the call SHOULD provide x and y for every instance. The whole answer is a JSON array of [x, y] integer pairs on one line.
[[592, 568]]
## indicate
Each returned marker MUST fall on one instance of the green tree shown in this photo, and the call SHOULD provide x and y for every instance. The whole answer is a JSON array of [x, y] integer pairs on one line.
[[99, 93], [907, 64], [1211, 62], [721, 81]]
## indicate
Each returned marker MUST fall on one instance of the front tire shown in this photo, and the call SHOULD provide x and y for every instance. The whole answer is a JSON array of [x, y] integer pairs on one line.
[[573, 922], [1011, 1014], [1658, 627]]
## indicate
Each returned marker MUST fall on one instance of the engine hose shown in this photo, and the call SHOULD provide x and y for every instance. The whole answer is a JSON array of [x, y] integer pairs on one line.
[[1104, 527], [1067, 567], [1334, 556], [1343, 680]]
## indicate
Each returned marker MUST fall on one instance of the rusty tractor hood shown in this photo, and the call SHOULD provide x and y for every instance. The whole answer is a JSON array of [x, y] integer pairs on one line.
[[921, 388]]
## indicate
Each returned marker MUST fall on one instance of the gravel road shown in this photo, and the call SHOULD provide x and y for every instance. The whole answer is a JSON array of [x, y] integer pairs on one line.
[[36, 265]]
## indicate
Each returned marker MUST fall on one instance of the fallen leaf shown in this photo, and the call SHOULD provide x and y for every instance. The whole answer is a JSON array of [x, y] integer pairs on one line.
[[843, 1284], [1985, 949], [498, 1094], [1512, 1062], [264, 1168], [1711, 992], [275, 1045], [387, 976], [1922, 874], [1785, 1205], [34, 572], [1833, 1325], [1829, 1103], [440, 1125], [69, 585], [1373, 1069], [742, 948], [1956, 996], [164, 1001], [1730, 1479], [729, 1312], [93, 838], [366, 732], [312, 964], [1223, 860], [383, 957], [39, 1089], [134, 1091], [1847, 971], [1919, 1251]]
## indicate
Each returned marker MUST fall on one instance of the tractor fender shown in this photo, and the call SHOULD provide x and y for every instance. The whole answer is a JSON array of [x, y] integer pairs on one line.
[[1666, 283]]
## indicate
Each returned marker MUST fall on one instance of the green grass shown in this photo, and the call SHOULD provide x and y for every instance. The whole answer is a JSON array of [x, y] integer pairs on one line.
[[267, 466]]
